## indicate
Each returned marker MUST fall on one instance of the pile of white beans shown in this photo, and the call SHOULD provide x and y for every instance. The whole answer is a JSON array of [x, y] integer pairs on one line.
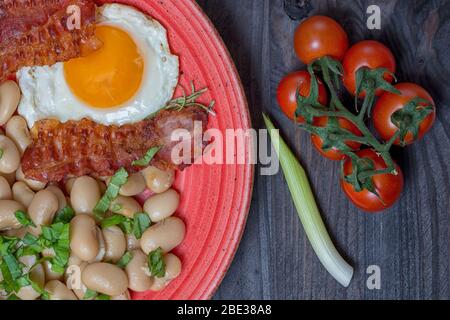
[[94, 250]]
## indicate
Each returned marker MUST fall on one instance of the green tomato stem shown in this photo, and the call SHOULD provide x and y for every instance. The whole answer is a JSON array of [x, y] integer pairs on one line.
[[367, 137]]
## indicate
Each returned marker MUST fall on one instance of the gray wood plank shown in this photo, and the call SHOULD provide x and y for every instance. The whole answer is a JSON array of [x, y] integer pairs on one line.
[[410, 242]]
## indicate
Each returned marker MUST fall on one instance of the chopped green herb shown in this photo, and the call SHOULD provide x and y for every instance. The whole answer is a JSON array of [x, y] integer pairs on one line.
[[114, 220], [32, 246], [30, 239], [145, 161], [103, 297], [23, 281], [13, 266], [12, 269], [156, 263], [127, 226], [24, 219], [13, 297], [57, 237], [8, 281], [64, 215], [112, 191], [116, 208], [90, 294], [125, 260], [141, 223], [31, 250], [7, 244], [55, 232], [1, 153]]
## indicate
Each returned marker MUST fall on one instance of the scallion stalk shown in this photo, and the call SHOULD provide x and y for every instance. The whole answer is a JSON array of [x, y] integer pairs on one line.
[[308, 212]]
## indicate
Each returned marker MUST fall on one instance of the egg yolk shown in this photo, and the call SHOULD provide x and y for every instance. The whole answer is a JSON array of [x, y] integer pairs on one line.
[[109, 76]]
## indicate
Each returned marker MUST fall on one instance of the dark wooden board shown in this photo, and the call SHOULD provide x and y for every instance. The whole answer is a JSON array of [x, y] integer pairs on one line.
[[410, 242]]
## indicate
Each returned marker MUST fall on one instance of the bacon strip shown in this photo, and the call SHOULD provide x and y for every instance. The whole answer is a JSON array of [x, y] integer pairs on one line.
[[36, 33], [77, 148]]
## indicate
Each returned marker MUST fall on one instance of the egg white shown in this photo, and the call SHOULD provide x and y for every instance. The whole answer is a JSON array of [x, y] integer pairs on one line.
[[46, 95]]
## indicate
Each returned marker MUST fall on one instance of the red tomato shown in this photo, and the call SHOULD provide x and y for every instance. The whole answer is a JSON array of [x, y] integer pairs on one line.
[[388, 186], [389, 103], [287, 92], [320, 36], [370, 54], [334, 154]]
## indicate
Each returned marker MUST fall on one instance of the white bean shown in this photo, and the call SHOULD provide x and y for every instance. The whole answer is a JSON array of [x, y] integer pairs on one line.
[[163, 205], [5, 189], [166, 234], [9, 100], [10, 156], [17, 131], [84, 240]]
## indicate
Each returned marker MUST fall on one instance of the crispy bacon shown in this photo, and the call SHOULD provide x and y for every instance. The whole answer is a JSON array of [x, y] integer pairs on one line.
[[76, 148], [36, 32]]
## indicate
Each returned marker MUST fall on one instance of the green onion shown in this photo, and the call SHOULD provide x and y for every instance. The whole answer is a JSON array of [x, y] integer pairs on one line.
[[113, 220], [141, 223], [24, 219], [90, 294], [125, 260], [156, 263], [127, 226], [112, 191], [64, 215], [145, 161], [308, 212]]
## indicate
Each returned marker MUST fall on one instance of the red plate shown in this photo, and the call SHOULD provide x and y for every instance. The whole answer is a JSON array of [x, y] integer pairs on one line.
[[215, 198]]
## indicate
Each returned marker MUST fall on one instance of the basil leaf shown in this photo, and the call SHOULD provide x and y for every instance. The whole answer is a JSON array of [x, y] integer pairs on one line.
[[145, 161], [89, 294], [64, 215], [112, 191], [23, 218], [125, 260], [156, 263], [141, 223], [113, 221]]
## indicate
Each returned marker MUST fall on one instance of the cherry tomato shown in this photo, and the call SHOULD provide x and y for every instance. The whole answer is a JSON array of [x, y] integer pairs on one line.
[[370, 54], [334, 154], [388, 186], [389, 103], [320, 36], [287, 92]]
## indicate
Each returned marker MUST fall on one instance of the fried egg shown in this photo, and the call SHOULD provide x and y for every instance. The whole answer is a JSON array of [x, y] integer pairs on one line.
[[131, 76]]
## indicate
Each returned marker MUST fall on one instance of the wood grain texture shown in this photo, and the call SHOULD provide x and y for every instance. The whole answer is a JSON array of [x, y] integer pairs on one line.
[[410, 242]]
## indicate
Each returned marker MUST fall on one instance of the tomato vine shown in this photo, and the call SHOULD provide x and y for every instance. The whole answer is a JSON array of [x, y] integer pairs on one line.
[[309, 108]]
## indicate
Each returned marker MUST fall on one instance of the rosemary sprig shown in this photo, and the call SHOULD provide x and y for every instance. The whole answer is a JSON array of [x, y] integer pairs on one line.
[[186, 101]]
